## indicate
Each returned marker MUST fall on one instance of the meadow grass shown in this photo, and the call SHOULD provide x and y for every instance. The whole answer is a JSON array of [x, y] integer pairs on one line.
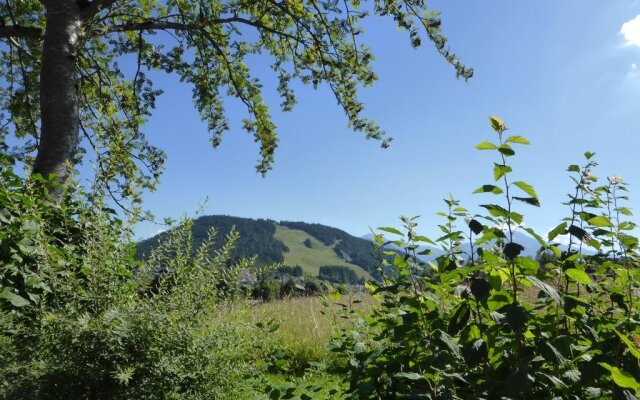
[[306, 325], [311, 259]]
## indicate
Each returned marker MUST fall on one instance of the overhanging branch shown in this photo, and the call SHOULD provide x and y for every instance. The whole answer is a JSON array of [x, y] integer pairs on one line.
[[20, 32], [178, 26], [152, 25]]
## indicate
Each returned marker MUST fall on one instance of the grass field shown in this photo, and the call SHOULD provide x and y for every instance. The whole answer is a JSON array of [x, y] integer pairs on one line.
[[311, 259], [305, 329]]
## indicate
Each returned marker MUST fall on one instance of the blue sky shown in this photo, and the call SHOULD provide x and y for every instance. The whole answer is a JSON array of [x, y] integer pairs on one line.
[[564, 74]]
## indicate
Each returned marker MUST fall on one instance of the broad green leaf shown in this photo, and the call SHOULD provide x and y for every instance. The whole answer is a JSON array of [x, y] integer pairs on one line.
[[17, 301], [399, 261], [420, 238], [500, 170], [549, 290], [506, 150], [529, 200], [390, 230], [517, 139], [621, 378], [488, 189], [450, 343], [525, 187], [573, 168], [559, 358], [600, 221], [624, 210], [486, 146], [498, 300], [558, 230], [535, 235], [495, 210], [579, 276], [413, 376], [516, 217], [632, 348], [460, 318]]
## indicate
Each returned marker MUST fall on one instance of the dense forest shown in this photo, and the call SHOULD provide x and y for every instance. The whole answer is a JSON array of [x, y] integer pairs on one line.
[[256, 238], [339, 274]]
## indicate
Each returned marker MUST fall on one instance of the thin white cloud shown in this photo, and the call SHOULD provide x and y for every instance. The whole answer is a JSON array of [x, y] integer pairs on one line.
[[634, 71], [630, 30]]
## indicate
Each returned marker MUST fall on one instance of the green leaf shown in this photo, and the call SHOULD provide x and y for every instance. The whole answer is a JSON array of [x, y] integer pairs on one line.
[[559, 358], [525, 187], [495, 210], [579, 276], [588, 154], [632, 348], [390, 230], [498, 300], [621, 378], [529, 200], [506, 150], [450, 343], [600, 221], [460, 318], [486, 146], [17, 301], [500, 170], [517, 139], [573, 168], [413, 376], [558, 230], [399, 261], [488, 189], [497, 124], [537, 237], [549, 290]]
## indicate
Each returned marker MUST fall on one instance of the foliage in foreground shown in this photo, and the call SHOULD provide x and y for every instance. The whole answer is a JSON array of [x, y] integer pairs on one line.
[[81, 318], [466, 329]]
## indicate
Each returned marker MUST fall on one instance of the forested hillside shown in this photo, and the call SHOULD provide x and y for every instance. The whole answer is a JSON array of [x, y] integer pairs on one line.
[[353, 249], [310, 246], [256, 237]]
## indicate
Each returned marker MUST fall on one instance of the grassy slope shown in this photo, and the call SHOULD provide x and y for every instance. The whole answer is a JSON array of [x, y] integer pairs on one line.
[[311, 259]]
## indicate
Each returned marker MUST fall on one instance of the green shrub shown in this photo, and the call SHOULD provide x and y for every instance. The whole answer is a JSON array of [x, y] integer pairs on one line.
[[492, 324], [79, 319]]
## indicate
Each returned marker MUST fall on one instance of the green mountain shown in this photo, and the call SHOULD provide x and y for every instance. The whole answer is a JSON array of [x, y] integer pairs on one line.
[[310, 246]]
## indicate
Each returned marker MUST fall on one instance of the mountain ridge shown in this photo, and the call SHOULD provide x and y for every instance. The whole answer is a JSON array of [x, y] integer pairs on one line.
[[291, 243]]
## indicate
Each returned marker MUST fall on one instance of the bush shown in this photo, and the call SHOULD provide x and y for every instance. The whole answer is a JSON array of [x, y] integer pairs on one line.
[[492, 324], [78, 319]]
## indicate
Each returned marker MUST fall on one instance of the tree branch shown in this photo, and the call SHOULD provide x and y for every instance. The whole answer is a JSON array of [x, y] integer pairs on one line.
[[169, 25], [20, 32], [96, 6], [152, 25]]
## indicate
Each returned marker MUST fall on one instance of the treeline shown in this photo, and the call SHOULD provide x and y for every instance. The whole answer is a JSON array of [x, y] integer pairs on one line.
[[350, 248], [256, 238], [295, 271], [339, 274]]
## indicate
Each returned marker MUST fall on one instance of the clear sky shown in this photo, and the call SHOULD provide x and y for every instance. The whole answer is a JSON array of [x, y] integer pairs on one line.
[[565, 74]]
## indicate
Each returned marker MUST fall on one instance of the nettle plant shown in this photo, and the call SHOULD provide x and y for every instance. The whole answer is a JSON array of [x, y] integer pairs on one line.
[[486, 321]]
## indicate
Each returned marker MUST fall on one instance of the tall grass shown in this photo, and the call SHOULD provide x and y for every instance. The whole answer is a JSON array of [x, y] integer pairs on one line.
[[306, 326]]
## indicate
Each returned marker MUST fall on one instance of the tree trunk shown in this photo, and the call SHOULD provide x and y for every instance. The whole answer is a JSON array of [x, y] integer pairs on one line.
[[59, 134]]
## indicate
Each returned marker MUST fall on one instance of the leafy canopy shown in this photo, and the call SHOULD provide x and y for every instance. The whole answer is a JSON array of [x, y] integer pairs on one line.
[[207, 44]]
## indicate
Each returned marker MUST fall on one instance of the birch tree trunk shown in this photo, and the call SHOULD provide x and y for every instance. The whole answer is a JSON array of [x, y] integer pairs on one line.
[[59, 133]]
